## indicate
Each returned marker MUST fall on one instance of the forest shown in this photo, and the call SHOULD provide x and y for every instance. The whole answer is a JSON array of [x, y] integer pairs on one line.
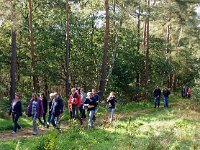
[[126, 46]]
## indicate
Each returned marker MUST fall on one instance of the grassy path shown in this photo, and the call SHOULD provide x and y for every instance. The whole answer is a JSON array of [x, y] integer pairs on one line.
[[101, 121], [134, 128]]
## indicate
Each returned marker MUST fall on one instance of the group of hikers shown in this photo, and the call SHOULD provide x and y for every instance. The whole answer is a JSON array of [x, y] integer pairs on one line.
[[78, 102], [185, 92], [157, 96]]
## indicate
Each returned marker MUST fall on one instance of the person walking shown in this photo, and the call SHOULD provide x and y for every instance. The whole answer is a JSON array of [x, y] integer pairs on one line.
[[157, 95], [45, 105], [83, 98], [189, 92], [59, 101], [35, 109], [16, 111], [54, 112], [166, 94], [111, 100], [97, 98], [90, 103]]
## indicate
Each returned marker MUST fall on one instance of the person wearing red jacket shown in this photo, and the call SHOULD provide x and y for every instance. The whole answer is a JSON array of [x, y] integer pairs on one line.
[[74, 103]]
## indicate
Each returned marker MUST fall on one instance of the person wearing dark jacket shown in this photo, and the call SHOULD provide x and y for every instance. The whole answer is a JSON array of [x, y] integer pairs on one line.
[[61, 105], [166, 94], [54, 111], [90, 104], [111, 100], [157, 95], [16, 111], [45, 105]]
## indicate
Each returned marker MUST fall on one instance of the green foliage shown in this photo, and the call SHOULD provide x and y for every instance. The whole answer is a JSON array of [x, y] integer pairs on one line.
[[196, 92], [86, 43], [4, 107], [48, 141]]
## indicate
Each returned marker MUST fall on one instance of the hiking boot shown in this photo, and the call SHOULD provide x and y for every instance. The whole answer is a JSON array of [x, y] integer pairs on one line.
[[35, 133], [47, 124], [13, 132], [19, 127], [59, 130]]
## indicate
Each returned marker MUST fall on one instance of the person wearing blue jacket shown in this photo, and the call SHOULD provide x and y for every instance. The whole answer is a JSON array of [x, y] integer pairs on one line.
[[166, 94], [16, 111]]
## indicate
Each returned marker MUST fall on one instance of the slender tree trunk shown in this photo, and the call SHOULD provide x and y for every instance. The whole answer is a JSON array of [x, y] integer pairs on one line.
[[138, 44], [105, 51], [113, 57], [13, 55], [13, 66], [168, 52], [67, 49], [138, 29], [146, 48], [174, 83], [32, 46], [168, 40], [0, 73]]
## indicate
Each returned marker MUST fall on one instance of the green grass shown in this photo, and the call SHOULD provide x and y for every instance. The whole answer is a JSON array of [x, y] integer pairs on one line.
[[168, 129], [7, 124]]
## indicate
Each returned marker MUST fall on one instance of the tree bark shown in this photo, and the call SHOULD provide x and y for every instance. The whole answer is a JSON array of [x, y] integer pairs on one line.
[[138, 44], [13, 66], [105, 51], [67, 50], [113, 57], [35, 80], [13, 55], [146, 48]]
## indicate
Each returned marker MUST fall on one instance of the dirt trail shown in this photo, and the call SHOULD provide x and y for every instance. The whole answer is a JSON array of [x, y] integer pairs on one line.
[[27, 132]]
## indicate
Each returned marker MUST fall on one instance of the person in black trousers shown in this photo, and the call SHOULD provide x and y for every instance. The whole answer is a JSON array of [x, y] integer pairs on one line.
[[16, 111], [45, 106], [157, 95]]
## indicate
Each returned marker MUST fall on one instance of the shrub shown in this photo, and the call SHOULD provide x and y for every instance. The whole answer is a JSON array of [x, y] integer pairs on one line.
[[196, 93], [48, 141]]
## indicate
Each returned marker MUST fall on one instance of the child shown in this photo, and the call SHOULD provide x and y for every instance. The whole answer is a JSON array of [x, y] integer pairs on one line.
[[35, 109], [16, 111], [91, 104], [111, 100]]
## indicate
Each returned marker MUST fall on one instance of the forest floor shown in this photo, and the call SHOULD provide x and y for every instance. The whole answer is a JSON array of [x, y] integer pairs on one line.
[[136, 126]]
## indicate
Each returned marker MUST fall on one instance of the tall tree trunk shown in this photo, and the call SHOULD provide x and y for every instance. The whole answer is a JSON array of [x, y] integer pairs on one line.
[[168, 40], [0, 73], [32, 47], [13, 66], [67, 49], [105, 51], [138, 44], [138, 29], [13, 56], [115, 37], [168, 53], [146, 48], [174, 83]]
